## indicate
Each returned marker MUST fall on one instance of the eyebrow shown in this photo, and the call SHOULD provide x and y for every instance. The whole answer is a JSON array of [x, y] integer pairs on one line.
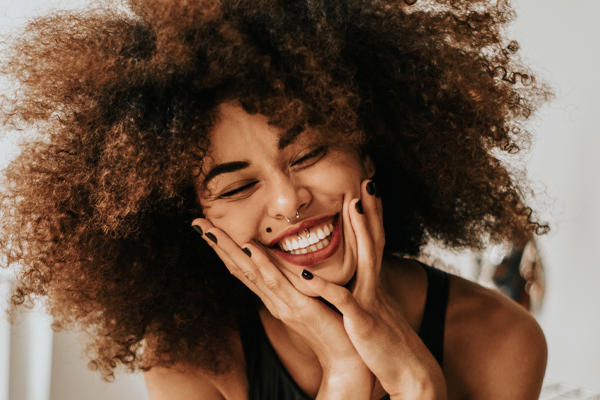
[[225, 168]]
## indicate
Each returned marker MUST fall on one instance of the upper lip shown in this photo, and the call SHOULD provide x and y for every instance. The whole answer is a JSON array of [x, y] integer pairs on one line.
[[301, 226]]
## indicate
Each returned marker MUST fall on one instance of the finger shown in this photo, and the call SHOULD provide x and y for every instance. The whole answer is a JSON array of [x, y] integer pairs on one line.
[[368, 259], [235, 259], [338, 296], [373, 211], [274, 280]]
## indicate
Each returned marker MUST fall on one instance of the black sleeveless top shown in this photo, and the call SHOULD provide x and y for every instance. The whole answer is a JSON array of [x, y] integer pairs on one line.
[[268, 378]]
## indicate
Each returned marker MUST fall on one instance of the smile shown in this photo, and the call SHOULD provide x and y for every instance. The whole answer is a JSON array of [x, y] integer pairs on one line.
[[309, 240], [312, 244]]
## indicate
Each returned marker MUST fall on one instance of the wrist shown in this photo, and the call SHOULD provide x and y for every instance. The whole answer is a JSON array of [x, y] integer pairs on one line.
[[420, 389], [346, 383]]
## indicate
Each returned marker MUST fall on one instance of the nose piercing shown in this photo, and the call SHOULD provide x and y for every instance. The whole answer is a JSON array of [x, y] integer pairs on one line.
[[289, 220]]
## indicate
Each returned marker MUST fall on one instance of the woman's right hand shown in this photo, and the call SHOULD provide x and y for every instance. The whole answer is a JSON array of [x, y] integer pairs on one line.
[[345, 375]]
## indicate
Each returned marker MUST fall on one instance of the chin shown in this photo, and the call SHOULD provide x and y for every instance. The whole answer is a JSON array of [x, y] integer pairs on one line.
[[345, 279]]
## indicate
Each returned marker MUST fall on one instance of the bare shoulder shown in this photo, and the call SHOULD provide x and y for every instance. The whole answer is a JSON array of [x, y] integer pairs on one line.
[[493, 348], [192, 383]]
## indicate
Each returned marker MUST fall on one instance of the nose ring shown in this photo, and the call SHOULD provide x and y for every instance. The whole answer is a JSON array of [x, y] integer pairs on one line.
[[289, 220]]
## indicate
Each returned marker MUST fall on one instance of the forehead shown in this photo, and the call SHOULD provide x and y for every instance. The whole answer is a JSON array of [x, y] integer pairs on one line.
[[237, 135]]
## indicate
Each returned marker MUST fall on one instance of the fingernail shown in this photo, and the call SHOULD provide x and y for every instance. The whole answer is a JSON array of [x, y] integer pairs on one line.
[[307, 275], [371, 188], [198, 229], [247, 251], [358, 206], [211, 237]]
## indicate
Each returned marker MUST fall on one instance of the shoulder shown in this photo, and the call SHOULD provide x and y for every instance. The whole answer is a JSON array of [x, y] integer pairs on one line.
[[494, 349], [183, 382]]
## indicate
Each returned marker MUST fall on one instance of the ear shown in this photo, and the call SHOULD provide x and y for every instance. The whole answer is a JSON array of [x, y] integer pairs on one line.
[[369, 165]]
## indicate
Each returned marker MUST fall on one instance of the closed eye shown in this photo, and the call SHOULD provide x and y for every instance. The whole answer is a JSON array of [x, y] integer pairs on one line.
[[238, 190], [318, 152]]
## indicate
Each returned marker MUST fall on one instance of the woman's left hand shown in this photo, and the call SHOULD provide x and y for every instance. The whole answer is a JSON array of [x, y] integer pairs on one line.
[[372, 318]]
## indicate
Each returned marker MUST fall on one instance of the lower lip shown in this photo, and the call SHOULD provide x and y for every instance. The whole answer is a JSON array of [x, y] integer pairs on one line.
[[308, 259]]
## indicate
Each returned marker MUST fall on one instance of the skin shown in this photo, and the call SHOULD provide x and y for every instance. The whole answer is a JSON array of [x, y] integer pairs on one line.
[[372, 348]]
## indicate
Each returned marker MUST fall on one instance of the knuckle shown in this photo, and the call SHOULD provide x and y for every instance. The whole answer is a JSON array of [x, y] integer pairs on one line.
[[250, 275], [236, 272], [273, 285], [346, 296]]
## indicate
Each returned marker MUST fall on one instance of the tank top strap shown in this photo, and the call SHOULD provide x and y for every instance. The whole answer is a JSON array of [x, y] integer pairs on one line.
[[434, 317], [267, 377]]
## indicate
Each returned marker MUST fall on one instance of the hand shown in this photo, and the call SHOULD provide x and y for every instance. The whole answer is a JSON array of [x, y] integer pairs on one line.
[[372, 318], [345, 375]]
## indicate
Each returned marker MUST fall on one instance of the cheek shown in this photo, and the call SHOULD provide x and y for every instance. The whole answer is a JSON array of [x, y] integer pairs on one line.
[[236, 221], [341, 177]]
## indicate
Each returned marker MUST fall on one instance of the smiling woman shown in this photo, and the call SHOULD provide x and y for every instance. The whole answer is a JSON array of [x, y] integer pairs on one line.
[[316, 146]]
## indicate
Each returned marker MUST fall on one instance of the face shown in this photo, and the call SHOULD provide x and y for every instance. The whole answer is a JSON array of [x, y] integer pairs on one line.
[[253, 188]]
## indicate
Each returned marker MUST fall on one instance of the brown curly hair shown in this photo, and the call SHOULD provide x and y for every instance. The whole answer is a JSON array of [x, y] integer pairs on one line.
[[97, 207]]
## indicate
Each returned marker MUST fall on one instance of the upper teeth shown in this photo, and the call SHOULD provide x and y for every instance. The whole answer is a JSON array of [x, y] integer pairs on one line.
[[308, 240]]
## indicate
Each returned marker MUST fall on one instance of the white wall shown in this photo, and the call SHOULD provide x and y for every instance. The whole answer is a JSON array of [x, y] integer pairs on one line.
[[563, 40]]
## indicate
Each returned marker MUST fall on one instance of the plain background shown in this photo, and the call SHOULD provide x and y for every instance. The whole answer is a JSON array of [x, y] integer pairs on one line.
[[561, 40]]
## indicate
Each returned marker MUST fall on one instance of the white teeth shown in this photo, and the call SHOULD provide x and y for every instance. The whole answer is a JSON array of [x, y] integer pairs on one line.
[[308, 240], [320, 234], [302, 242]]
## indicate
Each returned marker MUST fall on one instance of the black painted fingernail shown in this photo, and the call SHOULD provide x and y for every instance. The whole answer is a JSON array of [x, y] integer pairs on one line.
[[198, 229], [358, 206], [211, 237], [247, 251], [307, 275], [371, 188]]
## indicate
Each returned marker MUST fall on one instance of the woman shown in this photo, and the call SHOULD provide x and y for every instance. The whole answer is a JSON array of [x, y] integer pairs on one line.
[[289, 134]]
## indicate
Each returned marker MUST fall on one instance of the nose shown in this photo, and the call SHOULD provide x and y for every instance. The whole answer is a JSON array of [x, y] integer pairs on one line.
[[287, 198]]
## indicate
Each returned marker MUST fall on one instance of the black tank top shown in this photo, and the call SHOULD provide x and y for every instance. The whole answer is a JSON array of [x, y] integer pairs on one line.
[[268, 378]]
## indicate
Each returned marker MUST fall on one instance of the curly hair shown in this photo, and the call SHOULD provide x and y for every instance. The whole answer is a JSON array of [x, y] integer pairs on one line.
[[97, 207]]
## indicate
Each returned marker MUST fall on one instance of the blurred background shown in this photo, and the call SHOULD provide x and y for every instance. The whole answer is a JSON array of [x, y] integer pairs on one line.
[[561, 40]]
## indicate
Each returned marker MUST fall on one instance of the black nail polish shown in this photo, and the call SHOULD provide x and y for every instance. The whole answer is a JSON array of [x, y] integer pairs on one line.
[[211, 237], [359, 208], [198, 229], [307, 275], [247, 251], [371, 188]]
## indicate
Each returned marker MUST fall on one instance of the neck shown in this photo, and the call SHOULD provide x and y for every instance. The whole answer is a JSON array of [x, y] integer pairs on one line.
[[282, 336]]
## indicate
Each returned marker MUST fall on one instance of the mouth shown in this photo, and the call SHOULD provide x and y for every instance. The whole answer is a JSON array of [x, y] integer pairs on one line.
[[309, 239], [312, 244]]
